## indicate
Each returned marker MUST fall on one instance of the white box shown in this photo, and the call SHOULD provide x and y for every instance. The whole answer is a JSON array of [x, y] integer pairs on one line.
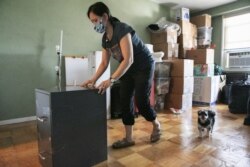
[[206, 89], [76, 70], [182, 14]]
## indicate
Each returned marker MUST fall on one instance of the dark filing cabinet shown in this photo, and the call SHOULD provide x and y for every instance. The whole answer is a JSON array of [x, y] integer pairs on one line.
[[72, 127]]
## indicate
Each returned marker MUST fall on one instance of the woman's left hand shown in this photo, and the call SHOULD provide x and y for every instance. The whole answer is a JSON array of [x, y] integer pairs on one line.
[[104, 85]]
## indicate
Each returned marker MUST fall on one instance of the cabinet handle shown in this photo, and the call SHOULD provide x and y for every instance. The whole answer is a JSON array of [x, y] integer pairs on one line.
[[42, 119], [42, 157]]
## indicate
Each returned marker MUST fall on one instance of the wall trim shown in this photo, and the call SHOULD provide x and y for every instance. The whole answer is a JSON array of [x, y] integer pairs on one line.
[[17, 120]]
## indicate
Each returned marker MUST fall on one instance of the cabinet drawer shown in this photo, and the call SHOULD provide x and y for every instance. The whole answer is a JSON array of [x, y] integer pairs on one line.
[[43, 114], [45, 158]]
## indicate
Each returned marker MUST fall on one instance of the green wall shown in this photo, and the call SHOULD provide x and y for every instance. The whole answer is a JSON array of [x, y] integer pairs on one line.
[[29, 31], [217, 14], [217, 38]]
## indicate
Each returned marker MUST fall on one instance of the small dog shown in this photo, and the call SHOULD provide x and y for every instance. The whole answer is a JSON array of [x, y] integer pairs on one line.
[[206, 119]]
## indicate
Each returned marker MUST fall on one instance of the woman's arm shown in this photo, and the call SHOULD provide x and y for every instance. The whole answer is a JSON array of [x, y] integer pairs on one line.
[[128, 59], [128, 56], [101, 69]]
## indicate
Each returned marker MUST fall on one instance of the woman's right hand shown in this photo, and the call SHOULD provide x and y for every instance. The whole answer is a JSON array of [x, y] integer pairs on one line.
[[88, 84]]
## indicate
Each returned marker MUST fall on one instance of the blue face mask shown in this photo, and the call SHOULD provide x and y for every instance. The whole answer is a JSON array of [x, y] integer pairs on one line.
[[99, 27]]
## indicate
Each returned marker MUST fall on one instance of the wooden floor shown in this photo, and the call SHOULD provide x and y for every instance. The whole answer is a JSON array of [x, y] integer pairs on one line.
[[180, 146]]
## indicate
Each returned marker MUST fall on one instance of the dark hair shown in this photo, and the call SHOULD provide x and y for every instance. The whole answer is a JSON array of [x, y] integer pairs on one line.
[[99, 8]]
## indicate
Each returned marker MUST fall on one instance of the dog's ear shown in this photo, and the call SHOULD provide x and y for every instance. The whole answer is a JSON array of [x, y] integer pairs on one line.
[[211, 113], [199, 112]]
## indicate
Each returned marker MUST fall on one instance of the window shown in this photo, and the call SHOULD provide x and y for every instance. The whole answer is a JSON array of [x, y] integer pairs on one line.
[[237, 42], [237, 32]]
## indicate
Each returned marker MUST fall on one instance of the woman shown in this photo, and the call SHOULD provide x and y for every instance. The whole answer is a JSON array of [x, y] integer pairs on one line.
[[135, 70]]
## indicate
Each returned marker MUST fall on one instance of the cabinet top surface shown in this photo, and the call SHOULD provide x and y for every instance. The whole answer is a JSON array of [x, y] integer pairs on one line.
[[63, 89]]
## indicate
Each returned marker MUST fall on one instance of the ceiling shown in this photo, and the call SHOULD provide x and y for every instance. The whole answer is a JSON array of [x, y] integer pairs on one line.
[[193, 5]]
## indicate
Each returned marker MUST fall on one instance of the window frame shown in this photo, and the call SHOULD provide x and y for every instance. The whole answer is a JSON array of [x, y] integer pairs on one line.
[[225, 52]]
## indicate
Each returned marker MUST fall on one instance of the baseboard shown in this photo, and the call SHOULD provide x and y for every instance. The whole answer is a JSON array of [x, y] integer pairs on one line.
[[17, 120]]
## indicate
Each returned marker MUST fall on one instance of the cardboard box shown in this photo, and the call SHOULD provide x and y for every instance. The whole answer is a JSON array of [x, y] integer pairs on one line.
[[186, 42], [182, 85], [181, 67], [182, 14], [183, 52], [170, 50], [201, 56], [183, 101], [204, 70], [206, 89], [201, 20], [194, 30], [188, 28], [185, 27], [166, 36]]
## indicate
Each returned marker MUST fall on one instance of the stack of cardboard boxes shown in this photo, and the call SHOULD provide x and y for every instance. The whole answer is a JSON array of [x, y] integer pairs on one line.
[[192, 70], [181, 86], [206, 85], [181, 73], [163, 41], [182, 80], [188, 38]]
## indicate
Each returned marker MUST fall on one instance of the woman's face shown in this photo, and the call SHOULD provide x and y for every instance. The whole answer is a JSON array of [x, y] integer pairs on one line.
[[99, 22], [94, 18]]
